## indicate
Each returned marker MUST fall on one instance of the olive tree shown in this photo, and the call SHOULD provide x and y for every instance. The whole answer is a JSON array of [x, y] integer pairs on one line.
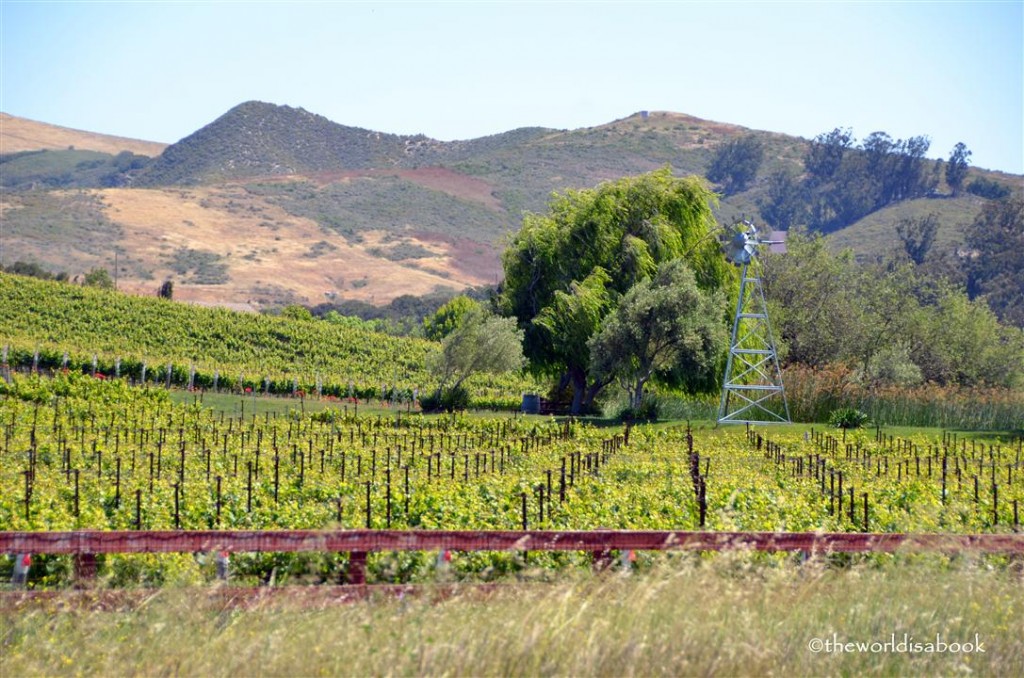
[[481, 343], [665, 326]]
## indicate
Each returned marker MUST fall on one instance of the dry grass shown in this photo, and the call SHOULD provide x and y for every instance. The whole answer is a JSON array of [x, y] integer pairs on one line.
[[691, 616], [20, 134], [268, 253]]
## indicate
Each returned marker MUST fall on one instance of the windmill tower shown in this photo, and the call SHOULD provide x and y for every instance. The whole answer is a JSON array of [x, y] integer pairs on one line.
[[752, 391]]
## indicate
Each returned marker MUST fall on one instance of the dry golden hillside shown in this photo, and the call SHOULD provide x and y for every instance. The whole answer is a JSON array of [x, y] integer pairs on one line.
[[222, 246], [19, 134]]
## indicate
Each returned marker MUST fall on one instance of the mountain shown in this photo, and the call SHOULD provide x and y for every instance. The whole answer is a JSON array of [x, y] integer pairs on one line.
[[259, 139], [269, 205]]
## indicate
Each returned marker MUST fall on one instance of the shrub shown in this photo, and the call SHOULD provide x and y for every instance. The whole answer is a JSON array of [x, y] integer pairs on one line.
[[847, 417], [648, 410], [447, 400]]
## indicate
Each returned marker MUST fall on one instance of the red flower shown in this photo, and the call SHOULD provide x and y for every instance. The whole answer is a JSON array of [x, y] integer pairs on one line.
[[248, 389]]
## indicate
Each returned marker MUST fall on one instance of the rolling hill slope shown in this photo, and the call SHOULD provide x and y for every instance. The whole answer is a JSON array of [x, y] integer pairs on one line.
[[20, 134], [269, 205]]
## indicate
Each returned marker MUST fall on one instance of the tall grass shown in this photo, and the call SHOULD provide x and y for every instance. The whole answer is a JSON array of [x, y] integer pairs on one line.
[[814, 393], [722, 615]]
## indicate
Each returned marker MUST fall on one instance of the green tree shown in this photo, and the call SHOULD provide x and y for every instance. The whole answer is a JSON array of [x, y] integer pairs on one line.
[[665, 325], [31, 269], [736, 163], [565, 270], [918, 235], [481, 343], [296, 312], [825, 154], [166, 290], [996, 258], [884, 300], [956, 168], [444, 321], [784, 203], [988, 188], [813, 301], [99, 277], [959, 341]]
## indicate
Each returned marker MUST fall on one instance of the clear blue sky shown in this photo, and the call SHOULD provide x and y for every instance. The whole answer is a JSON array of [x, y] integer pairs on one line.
[[457, 70]]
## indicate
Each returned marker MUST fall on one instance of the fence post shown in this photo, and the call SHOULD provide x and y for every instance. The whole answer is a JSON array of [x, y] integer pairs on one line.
[[223, 565], [84, 569], [22, 563], [357, 567]]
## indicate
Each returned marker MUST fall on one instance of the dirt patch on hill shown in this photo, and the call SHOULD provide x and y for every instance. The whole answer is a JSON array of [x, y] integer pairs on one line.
[[259, 255], [472, 259], [435, 178]]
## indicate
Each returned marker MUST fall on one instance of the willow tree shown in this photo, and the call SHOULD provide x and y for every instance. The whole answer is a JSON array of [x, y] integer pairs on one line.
[[566, 270]]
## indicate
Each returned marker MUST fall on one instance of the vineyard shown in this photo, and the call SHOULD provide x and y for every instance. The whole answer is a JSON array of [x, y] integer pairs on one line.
[[52, 326], [96, 454]]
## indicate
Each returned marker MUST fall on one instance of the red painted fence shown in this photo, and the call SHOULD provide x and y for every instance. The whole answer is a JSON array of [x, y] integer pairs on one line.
[[363, 541], [85, 545]]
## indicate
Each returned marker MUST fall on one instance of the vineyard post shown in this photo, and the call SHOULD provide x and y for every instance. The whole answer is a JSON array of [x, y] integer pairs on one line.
[[703, 502], [406, 494], [28, 493], [995, 504], [840, 474], [368, 516], [217, 502], [177, 513], [944, 466], [865, 495], [387, 494], [249, 486], [831, 492]]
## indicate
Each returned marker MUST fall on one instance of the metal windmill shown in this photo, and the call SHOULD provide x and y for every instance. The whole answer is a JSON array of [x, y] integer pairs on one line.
[[752, 391]]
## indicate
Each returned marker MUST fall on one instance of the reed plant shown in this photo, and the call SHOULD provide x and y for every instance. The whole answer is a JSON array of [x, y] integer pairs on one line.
[[814, 393]]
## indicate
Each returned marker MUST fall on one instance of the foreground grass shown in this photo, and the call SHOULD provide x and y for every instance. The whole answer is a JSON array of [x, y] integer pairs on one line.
[[688, 615]]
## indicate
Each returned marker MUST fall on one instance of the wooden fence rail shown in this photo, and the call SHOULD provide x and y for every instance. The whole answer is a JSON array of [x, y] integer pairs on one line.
[[363, 541]]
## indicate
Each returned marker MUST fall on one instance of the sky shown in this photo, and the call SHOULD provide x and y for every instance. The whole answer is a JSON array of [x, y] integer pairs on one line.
[[158, 71]]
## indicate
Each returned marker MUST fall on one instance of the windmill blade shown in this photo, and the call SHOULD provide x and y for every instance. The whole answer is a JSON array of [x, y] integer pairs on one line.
[[740, 244], [777, 242]]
